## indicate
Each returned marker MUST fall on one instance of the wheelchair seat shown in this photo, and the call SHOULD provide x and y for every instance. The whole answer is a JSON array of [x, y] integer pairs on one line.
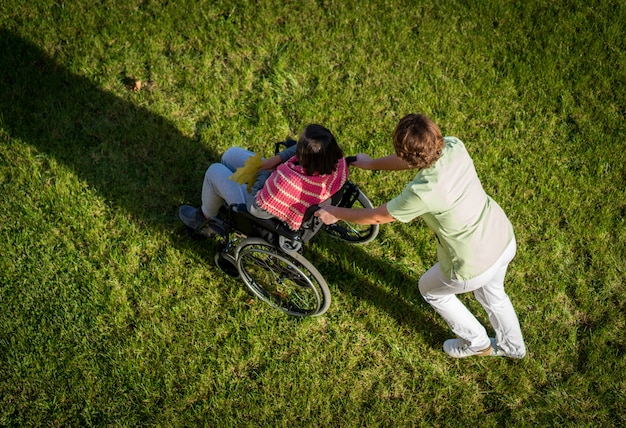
[[244, 222], [267, 228]]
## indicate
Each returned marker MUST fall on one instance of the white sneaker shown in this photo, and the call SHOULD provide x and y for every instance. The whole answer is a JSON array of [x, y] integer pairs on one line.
[[460, 348], [499, 352]]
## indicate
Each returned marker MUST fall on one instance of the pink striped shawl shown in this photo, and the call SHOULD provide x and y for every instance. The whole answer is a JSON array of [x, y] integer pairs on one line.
[[289, 192]]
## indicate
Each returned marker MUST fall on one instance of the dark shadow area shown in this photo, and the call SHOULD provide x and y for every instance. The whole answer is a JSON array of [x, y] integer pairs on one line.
[[136, 159], [144, 165], [405, 303]]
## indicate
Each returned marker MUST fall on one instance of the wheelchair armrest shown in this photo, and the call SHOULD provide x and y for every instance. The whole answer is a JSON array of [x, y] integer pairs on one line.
[[286, 144], [271, 224]]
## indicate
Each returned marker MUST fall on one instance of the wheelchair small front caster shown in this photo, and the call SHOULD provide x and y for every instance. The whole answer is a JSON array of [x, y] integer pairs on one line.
[[226, 264]]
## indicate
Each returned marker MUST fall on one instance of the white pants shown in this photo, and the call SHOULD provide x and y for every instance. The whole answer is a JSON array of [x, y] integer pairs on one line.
[[217, 187], [440, 292]]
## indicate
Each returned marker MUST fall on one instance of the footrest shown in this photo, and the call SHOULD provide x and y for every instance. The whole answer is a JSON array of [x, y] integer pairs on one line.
[[217, 226], [271, 224]]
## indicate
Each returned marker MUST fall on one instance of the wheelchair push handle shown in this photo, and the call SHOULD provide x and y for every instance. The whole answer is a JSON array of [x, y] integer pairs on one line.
[[281, 145], [278, 147]]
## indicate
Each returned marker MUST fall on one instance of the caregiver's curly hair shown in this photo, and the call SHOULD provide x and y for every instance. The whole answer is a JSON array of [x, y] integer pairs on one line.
[[418, 141]]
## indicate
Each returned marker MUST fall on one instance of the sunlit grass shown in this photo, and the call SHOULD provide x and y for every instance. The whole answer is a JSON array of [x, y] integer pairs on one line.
[[111, 316]]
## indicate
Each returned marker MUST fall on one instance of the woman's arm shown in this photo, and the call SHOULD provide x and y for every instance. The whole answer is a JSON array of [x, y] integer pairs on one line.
[[274, 161], [270, 163], [331, 214], [388, 163]]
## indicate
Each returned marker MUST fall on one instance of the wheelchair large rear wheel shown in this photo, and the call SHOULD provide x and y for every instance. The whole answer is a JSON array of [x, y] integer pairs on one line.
[[351, 232], [288, 282]]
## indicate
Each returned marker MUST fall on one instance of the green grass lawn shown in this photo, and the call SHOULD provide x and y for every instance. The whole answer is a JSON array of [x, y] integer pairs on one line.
[[111, 316]]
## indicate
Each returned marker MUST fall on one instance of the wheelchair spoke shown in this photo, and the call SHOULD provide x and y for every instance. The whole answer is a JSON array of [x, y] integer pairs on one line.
[[287, 282]]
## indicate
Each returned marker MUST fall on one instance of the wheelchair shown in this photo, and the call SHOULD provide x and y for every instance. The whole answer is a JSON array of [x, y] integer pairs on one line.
[[269, 257]]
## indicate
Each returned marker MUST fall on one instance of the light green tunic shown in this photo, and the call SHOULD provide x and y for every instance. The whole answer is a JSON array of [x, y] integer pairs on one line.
[[472, 230]]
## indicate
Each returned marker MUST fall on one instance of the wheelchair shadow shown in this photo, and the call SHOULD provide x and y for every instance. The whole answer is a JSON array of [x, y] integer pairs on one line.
[[135, 159], [144, 165], [390, 288]]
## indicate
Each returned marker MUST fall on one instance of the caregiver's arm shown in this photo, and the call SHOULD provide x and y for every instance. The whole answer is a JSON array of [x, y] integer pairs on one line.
[[387, 163], [331, 214]]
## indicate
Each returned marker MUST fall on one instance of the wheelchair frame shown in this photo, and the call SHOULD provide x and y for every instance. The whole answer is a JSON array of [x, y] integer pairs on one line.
[[268, 256]]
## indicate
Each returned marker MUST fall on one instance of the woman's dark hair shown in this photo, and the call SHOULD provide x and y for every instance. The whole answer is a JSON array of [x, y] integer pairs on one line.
[[317, 150], [418, 141]]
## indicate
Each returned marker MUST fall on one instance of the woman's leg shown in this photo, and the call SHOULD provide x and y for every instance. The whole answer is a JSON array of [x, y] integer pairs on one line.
[[500, 309], [235, 157], [217, 187], [440, 293]]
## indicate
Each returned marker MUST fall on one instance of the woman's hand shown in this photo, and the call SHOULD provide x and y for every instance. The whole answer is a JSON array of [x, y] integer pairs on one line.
[[271, 163], [362, 161], [325, 216]]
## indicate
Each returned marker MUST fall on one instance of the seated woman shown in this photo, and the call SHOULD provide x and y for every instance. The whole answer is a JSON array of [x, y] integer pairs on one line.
[[286, 186]]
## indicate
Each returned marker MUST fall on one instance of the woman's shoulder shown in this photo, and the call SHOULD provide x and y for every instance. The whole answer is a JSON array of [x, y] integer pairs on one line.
[[453, 142], [454, 148]]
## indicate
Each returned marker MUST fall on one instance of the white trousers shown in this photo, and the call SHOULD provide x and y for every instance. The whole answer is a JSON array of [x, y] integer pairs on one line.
[[440, 292], [217, 187]]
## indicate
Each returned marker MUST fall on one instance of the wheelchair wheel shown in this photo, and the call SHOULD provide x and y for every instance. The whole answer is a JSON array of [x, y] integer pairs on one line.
[[351, 232], [288, 282]]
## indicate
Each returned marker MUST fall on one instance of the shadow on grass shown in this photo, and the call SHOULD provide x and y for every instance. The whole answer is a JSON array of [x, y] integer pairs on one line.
[[134, 158], [141, 163], [385, 286]]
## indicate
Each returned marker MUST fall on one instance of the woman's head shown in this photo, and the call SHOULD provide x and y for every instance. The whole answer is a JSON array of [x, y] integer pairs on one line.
[[317, 150], [418, 141]]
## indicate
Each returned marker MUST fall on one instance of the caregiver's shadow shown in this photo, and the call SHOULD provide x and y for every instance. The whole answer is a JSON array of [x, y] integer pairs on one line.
[[389, 287], [135, 159]]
